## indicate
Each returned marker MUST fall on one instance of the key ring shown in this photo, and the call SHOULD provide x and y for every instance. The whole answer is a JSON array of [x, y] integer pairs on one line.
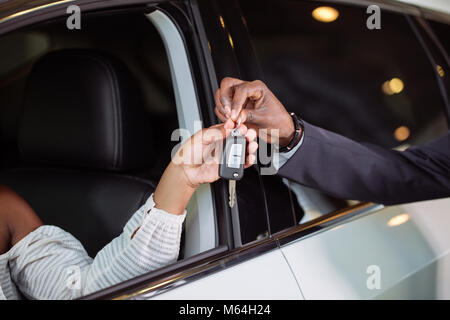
[[235, 132]]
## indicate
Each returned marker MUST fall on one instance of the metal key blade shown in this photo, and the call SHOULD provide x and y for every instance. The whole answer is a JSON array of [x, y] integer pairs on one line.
[[232, 192]]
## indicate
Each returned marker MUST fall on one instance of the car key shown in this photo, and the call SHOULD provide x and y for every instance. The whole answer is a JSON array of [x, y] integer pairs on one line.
[[232, 163]]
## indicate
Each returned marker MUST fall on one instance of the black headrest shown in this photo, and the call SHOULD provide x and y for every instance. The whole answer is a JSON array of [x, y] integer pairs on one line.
[[83, 109]]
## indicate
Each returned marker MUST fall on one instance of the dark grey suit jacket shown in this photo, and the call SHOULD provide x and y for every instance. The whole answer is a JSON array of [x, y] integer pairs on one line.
[[349, 170]]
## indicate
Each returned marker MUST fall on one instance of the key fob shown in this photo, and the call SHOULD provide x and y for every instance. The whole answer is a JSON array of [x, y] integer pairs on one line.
[[231, 166]]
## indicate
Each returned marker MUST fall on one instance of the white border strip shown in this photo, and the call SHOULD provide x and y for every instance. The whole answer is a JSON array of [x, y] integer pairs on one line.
[[200, 220]]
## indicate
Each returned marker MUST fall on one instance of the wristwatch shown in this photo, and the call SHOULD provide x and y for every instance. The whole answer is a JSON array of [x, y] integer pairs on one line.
[[298, 125]]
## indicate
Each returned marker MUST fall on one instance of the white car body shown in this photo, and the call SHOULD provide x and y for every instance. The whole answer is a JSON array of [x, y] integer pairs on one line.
[[438, 5], [396, 252], [411, 258]]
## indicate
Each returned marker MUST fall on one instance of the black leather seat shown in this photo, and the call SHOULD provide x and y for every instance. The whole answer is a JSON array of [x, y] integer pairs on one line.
[[83, 130]]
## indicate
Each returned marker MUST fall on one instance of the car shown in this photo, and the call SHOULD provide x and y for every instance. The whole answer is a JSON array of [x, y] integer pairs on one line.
[[386, 85]]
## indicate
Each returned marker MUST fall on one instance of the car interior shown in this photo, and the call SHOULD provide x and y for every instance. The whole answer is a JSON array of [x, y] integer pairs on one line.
[[76, 144], [86, 147]]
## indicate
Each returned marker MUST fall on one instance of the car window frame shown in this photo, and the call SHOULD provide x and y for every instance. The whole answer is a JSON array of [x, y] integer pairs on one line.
[[201, 224]]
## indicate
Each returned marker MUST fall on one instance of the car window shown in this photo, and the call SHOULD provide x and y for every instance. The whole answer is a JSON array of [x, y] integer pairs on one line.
[[134, 39], [256, 193], [442, 31], [143, 54], [374, 86]]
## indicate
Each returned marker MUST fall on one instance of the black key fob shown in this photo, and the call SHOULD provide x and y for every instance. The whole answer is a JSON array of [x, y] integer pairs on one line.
[[231, 166]]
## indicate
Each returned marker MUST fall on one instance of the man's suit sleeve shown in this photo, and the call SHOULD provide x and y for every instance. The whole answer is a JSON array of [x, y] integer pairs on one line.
[[350, 170]]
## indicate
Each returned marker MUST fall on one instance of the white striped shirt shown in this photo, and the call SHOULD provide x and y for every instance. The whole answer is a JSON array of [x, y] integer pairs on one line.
[[50, 263]]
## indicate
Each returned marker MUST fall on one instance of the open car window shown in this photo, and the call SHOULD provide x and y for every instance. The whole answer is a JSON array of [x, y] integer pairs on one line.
[[373, 86], [151, 49]]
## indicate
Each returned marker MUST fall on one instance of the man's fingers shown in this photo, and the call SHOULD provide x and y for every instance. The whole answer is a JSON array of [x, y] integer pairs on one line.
[[239, 98], [232, 95], [227, 89], [229, 124], [249, 90], [246, 116], [222, 117], [226, 105], [226, 92], [224, 96], [221, 112]]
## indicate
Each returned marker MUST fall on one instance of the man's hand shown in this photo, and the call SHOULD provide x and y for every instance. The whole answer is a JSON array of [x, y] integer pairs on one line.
[[252, 103]]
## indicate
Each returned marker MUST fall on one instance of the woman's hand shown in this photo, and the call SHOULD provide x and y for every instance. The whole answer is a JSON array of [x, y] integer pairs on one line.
[[200, 156], [196, 162]]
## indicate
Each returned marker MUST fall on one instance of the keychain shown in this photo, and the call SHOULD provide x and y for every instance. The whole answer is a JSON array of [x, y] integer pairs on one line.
[[232, 163]]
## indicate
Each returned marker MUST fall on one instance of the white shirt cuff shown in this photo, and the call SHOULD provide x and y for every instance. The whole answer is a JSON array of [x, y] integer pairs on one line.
[[283, 157], [163, 215]]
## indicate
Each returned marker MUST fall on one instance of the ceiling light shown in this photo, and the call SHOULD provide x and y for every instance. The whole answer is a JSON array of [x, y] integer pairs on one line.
[[401, 133], [325, 14]]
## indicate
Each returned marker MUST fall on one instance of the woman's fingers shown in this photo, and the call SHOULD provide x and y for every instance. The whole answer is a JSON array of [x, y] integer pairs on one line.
[[250, 160], [243, 129], [214, 133], [252, 147], [250, 135], [212, 138], [222, 130]]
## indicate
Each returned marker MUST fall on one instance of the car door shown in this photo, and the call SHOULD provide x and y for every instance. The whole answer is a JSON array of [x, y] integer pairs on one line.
[[383, 86], [322, 247], [243, 262], [208, 248], [239, 281], [399, 252]]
